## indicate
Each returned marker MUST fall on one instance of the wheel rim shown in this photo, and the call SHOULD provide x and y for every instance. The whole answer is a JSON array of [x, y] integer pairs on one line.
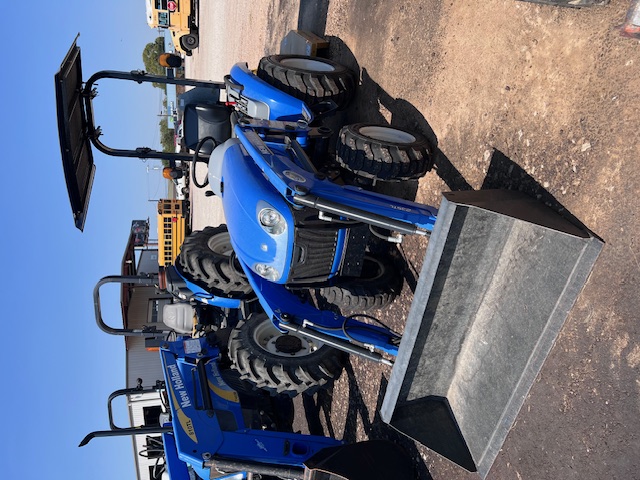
[[292, 344], [307, 64], [387, 134], [221, 244]]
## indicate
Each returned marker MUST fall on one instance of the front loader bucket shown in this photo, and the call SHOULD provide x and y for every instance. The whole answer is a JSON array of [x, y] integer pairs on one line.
[[500, 276]]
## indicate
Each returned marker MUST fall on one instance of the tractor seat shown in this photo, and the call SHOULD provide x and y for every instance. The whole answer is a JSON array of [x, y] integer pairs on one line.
[[202, 121]]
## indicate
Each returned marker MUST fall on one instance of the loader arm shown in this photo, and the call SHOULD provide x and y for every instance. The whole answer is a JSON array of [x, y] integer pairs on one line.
[[302, 187], [208, 422], [289, 312]]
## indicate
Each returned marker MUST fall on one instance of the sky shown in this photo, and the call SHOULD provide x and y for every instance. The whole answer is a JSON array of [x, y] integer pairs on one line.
[[58, 367]]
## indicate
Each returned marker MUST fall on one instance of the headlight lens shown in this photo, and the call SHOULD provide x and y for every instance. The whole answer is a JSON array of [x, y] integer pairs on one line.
[[267, 272], [272, 221]]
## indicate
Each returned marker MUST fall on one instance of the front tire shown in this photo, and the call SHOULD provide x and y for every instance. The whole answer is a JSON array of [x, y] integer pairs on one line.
[[282, 363], [383, 153], [310, 79], [208, 258], [378, 286]]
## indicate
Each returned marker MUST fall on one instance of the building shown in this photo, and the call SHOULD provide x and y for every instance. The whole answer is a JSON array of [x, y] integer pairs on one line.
[[142, 305]]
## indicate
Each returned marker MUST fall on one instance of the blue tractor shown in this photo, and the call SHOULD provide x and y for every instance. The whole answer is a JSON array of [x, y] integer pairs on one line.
[[215, 425], [299, 216], [297, 220], [306, 237]]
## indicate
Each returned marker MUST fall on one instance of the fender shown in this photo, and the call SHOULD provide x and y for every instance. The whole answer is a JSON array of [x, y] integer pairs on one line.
[[187, 290], [280, 105]]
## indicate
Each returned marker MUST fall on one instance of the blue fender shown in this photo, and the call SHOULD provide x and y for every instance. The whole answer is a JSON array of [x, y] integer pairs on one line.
[[204, 296], [282, 106]]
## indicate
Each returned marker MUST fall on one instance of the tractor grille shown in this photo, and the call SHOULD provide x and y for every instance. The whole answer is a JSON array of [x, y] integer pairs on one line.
[[313, 253]]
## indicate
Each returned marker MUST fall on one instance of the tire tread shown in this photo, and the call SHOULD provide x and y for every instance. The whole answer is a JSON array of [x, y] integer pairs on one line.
[[281, 375], [380, 160]]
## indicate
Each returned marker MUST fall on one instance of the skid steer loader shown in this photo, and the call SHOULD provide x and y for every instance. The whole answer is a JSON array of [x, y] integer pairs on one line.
[[500, 275]]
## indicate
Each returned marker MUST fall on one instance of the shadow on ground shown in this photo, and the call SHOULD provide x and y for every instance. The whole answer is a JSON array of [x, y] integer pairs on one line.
[[372, 104], [319, 407]]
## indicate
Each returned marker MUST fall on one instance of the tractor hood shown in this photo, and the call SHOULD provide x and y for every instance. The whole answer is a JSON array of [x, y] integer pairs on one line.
[[247, 197]]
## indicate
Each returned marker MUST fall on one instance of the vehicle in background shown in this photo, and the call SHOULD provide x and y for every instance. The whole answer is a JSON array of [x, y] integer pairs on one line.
[[182, 188], [179, 176], [179, 135], [172, 228], [179, 18]]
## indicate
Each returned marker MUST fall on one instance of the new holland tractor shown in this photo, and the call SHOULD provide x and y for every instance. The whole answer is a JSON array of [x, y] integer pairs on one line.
[[215, 425], [305, 236]]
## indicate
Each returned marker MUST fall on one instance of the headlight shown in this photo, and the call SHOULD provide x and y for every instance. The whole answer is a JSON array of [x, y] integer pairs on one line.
[[272, 221], [267, 272]]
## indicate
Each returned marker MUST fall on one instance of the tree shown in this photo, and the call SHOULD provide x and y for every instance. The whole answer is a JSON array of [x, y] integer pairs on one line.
[[167, 136], [150, 59], [150, 56]]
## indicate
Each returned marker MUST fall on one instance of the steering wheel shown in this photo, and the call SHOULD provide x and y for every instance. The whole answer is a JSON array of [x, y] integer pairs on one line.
[[197, 158]]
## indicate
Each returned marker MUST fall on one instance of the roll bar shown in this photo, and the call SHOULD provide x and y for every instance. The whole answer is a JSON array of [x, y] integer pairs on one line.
[[125, 279], [116, 431]]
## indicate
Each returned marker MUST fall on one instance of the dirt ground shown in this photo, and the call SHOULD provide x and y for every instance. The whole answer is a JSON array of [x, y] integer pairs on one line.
[[516, 95]]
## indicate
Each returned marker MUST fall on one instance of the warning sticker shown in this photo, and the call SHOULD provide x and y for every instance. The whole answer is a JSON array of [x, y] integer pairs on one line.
[[191, 346]]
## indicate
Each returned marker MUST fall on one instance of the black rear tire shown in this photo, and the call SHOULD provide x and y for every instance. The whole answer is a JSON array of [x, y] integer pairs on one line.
[[383, 153], [189, 41], [282, 363], [310, 79], [379, 285], [207, 257]]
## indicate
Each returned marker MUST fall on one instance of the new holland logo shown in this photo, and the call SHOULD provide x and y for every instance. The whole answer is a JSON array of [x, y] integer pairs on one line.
[[178, 386], [180, 399]]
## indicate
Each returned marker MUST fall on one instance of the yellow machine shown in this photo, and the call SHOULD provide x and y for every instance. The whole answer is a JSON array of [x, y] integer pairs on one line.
[[172, 226], [179, 18]]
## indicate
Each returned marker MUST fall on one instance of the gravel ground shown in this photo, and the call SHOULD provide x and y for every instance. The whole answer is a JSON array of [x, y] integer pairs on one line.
[[516, 95]]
